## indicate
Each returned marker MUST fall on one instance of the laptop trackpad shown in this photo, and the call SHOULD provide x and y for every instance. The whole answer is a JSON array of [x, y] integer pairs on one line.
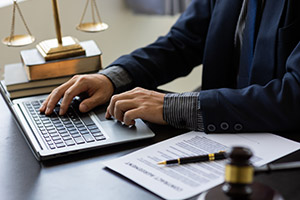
[[100, 112], [117, 130]]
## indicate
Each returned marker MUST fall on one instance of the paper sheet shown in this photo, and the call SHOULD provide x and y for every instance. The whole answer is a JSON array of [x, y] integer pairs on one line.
[[184, 181]]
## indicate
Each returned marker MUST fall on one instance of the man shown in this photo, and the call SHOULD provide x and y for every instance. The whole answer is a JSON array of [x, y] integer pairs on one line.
[[250, 53]]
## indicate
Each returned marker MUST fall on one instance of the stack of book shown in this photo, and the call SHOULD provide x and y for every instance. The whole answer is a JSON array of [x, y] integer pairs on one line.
[[36, 76], [18, 85]]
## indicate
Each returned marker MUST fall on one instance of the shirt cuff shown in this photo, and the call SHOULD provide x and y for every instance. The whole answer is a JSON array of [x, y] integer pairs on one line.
[[183, 111], [120, 78]]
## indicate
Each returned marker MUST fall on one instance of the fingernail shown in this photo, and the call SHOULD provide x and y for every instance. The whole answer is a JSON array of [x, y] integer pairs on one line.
[[107, 116], [47, 111], [42, 108]]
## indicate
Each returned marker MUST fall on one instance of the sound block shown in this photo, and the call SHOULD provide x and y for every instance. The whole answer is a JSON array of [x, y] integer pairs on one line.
[[260, 192]]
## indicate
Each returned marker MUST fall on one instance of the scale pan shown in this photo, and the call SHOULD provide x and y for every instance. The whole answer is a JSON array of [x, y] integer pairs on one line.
[[18, 40], [92, 27]]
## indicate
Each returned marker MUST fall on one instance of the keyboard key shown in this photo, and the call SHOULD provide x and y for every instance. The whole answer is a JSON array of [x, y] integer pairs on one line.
[[50, 128], [57, 137], [76, 120], [100, 138], [44, 132], [60, 145], [52, 146], [95, 131], [55, 121], [62, 131], [48, 125], [40, 126], [67, 122], [86, 119], [88, 138], [58, 141], [68, 137], [65, 119], [52, 132], [97, 134], [76, 135], [69, 142], [79, 125], [84, 132], [61, 128], [64, 134], [46, 122], [82, 129], [73, 132], [72, 129], [91, 127], [79, 140], [69, 125]]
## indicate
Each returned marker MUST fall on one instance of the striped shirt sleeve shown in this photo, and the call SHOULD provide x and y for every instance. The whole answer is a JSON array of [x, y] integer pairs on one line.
[[183, 111]]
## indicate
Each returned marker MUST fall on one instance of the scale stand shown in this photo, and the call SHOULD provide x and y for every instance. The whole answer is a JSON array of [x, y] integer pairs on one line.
[[94, 26], [18, 40]]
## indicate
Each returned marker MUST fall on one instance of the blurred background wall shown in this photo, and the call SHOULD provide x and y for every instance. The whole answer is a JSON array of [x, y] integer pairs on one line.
[[127, 31]]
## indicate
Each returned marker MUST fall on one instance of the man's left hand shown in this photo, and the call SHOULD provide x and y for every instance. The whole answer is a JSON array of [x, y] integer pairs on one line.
[[137, 103]]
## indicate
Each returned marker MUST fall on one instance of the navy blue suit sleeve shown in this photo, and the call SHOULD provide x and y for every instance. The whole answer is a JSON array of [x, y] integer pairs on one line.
[[173, 55], [274, 107]]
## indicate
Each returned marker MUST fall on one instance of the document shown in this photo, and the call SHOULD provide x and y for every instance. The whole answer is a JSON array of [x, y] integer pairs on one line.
[[185, 181]]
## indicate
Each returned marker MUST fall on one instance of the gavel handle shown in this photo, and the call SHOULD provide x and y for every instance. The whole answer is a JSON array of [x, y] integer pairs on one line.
[[278, 167]]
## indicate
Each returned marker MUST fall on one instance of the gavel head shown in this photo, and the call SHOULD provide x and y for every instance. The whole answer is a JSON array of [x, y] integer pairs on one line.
[[238, 174]]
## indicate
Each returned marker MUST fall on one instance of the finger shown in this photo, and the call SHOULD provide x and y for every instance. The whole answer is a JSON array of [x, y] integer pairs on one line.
[[107, 114], [114, 99], [131, 115], [69, 94], [89, 103], [53, 98], [123, 106], [43, 106], [51, 101], [126, 95]]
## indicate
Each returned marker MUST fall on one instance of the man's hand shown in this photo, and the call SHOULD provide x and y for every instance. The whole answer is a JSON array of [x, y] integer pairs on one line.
[[98, 87], [137, 103]]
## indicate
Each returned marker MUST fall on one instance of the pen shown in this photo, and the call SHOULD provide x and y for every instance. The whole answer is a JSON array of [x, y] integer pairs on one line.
[[202, 158]]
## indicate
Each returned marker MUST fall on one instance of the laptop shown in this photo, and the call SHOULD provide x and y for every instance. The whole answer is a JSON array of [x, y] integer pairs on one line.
[[55, 136]]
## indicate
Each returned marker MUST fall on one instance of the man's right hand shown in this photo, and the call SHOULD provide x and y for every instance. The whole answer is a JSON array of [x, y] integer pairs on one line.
[[98, 88]]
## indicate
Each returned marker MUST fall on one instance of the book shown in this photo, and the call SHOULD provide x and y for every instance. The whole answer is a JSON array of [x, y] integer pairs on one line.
[[27, 92], [15, 78], [31, 91], [37, 68]]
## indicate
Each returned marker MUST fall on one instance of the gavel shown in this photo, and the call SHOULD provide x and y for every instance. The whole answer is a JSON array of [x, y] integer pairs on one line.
[[239, 173]]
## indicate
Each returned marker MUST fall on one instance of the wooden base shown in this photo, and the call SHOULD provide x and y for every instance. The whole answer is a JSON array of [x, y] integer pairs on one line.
[[260, 192], [51, 50]]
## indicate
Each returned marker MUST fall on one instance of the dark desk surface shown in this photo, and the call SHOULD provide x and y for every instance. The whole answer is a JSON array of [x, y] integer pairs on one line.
[[83, 176]]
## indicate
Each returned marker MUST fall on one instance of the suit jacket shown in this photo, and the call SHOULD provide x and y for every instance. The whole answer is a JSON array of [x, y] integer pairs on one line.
[[204, 34]]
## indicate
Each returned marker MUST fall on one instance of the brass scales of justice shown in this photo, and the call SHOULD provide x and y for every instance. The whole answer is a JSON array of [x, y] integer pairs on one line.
[[61, 47]]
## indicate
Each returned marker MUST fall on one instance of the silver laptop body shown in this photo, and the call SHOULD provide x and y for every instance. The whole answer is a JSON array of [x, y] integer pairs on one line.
[[104, 132]]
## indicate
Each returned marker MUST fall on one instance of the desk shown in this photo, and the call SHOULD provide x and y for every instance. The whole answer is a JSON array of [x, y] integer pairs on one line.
[[83, 176]]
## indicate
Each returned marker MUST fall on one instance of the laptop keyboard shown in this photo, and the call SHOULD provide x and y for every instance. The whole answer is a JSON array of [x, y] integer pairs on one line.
[[73, 128]]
